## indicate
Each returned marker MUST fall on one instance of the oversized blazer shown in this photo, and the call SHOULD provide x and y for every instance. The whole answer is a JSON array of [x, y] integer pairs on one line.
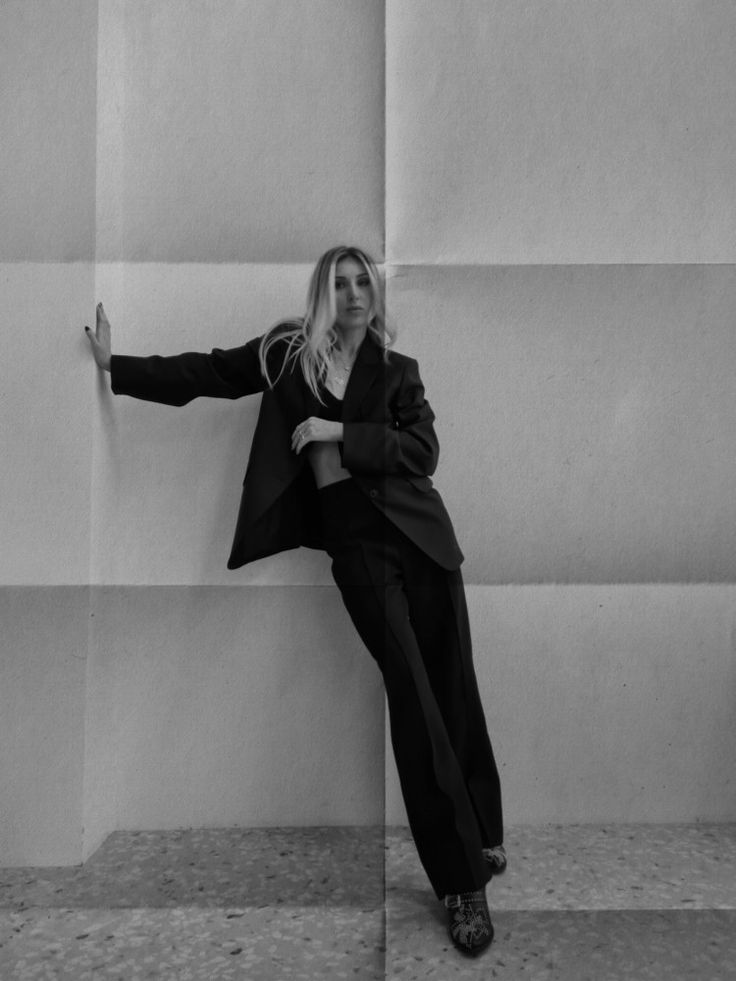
[[389, 448]]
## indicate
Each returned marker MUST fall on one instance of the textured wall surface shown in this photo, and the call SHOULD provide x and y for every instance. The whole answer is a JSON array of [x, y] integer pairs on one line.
[[554, 184], [47, 246], [561, 131], [239, 131], [48, 71], [229, 706], [48, 416], [43, 650]]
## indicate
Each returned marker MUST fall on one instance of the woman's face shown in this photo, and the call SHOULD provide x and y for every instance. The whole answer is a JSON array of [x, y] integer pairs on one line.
[[353, 295]]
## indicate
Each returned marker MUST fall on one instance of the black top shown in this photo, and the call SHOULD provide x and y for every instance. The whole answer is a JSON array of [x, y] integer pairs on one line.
[[332, 408]]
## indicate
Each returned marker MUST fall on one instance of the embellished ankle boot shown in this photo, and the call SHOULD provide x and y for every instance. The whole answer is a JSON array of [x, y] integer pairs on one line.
[[471, 930]]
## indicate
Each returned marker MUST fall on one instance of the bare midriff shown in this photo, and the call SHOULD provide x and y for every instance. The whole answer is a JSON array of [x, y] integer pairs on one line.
[[324, 458]]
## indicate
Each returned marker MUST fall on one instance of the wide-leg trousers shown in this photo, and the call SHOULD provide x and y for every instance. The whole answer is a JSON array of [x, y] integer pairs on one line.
[[412, 616]]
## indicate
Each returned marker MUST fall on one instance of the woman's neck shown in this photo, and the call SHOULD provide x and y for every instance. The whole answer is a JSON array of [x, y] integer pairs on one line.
[[348, 341]]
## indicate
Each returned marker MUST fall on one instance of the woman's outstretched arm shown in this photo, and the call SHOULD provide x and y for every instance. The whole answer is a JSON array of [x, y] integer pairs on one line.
[[178, 379]]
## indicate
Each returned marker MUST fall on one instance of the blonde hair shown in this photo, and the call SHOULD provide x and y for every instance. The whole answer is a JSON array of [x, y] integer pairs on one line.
[[310, 339]]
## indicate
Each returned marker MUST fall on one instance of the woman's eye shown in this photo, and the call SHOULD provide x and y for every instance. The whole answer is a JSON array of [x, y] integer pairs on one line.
[[362, 283]]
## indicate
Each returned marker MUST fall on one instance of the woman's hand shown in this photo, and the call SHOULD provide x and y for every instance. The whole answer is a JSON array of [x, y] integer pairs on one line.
[[315, 430], [100, 340]]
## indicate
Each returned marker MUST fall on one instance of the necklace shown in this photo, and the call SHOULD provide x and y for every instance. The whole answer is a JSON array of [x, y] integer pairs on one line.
[[346, 369]]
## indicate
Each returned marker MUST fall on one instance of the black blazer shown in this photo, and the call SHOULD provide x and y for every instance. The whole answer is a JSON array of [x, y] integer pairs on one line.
[[390, 447]]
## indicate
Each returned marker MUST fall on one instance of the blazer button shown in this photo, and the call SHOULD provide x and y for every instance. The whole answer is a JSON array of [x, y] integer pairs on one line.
[[373, 492]]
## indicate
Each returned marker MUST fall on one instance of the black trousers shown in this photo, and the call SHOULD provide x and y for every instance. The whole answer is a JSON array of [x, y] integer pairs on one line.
[[412, 616]]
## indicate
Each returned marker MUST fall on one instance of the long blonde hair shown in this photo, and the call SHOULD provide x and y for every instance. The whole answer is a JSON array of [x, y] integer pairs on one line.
[[310, 339]]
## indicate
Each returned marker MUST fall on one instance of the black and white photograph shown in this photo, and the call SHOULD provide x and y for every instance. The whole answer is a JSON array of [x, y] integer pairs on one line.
[[368, 524]]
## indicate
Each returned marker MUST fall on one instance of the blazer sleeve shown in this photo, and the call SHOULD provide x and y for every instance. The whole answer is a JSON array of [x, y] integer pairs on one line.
[[406, 447], [176, 380]]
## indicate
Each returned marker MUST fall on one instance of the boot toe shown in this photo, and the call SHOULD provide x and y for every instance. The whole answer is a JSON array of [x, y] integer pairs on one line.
[[469, 921]]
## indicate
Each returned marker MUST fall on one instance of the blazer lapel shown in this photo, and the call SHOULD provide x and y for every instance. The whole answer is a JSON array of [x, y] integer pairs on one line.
[[367, 370]]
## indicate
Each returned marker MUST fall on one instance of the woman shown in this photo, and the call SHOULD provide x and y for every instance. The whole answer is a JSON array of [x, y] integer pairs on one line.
[[341, 460]]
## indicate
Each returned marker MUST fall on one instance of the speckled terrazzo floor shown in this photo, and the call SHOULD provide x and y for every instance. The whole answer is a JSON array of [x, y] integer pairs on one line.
[[582, 904], [598, 903]]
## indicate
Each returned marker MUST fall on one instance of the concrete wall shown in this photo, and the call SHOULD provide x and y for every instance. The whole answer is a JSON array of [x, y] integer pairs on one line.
[[48, 55], [554, 183], [572, 131]]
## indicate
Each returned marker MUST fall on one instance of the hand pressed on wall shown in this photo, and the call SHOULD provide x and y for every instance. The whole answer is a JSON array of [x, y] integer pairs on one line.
[[100, 340]]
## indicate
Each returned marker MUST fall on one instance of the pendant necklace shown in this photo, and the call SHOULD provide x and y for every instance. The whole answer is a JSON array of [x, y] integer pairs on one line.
[[346, 369]]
